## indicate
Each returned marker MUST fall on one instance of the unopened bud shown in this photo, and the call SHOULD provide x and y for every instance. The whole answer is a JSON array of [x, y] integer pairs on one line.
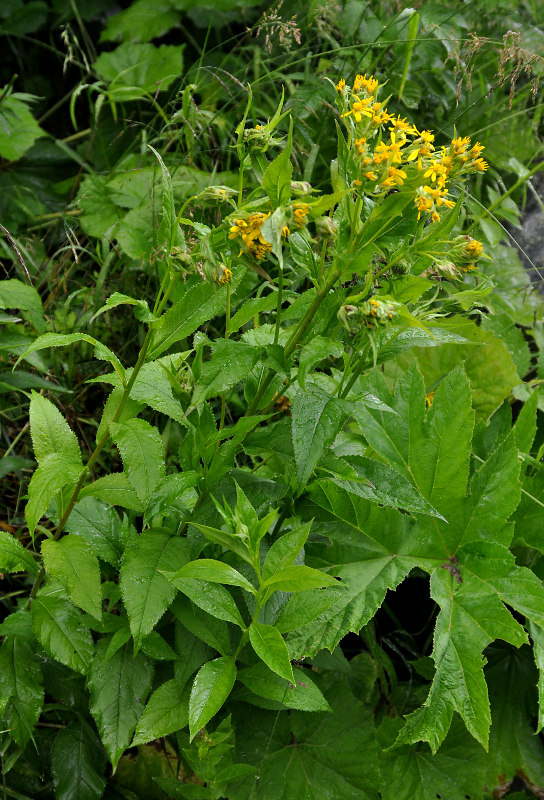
[[326, 226], [301, 187]]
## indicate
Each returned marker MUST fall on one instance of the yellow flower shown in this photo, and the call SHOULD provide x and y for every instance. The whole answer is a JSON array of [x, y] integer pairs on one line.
[[480, 165], [340, 85], [368, 84], [474, 249], [429, 397]]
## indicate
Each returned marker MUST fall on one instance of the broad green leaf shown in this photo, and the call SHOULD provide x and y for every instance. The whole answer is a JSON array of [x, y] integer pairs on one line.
[[316, 419], [302, 694], [59, 627], [430, 450], [211, 687], [141, 22], [525, 426], [414, 773], [101, 352], [142, 452], [99, 525], [468, 622], [21, 689], [14, 557], [118, 692], [166, 712], [114, 489], [156, 648], [16, 294], [285, 550], [318, 349], [225, 539], [231, 362], [210, 597], [129, 410], [537, 635], [513, 747], [268, 643], [134, 69], [374, 481], [54, 472], [18, 128], [199, 304], [304, 608], [145, 590], [335, 754], [252, 308], [276, 180], [489, 367], [78, 763], [50, 433], [118, 299], [212, 630], [73, 564], [208, 569], [298, 578], [153, 388]]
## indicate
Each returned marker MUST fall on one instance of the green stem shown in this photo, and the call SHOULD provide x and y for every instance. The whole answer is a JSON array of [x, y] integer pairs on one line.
[[278, 307]]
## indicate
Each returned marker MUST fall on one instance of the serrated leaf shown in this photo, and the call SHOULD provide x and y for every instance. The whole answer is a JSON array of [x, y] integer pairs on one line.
[[298, 578], [231, 361], [54, 472], [213, 631], [16, 294], [142, 451], [166, 712], [118, 692], [208, 569], [302, 694], [114, 489], [414, 773], [199, 304], [101, 352], [327, 762], [276, 180], [268, 643], [99, 525], [73, 564], [78, 763], [133, 69], [59, 627], [21, 689], [145, 590], [210, 597], [18, 128], [318, 349], [14, 557], [285, 550], [316, 419], [50, 433], [211, 687]]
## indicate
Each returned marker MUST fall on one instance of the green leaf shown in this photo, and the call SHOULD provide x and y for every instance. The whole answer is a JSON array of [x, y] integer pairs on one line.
[[213, 631], [101, 352], [118, 692], [114, 489], [145, 590], [252, 308], [18, 128], [208, 569], [211, 687], [78, 763], [99, 525], [133, 69], [16, 294], [302, 694], [513, 747], [276, 180], [199, 304], [210, 597], [461, 634], [316, 419], [118, 299], [328, 751], [228, 540], [142, 452], [268, 643], [50, 433], [318, 349], [14, 557], [231, 361], [166, 712], [59, 627], [141, 21], [21, 689], [54, 472], [73, 564], [298, 578], [285, 550], [414, 773]]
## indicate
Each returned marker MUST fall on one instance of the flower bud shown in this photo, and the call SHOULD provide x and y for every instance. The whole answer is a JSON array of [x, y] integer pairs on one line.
[[326, 227], [301, 187]]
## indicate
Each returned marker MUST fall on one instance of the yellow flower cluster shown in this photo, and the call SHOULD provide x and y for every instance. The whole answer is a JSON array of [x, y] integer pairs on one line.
[[249, 229], [387, 160]]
